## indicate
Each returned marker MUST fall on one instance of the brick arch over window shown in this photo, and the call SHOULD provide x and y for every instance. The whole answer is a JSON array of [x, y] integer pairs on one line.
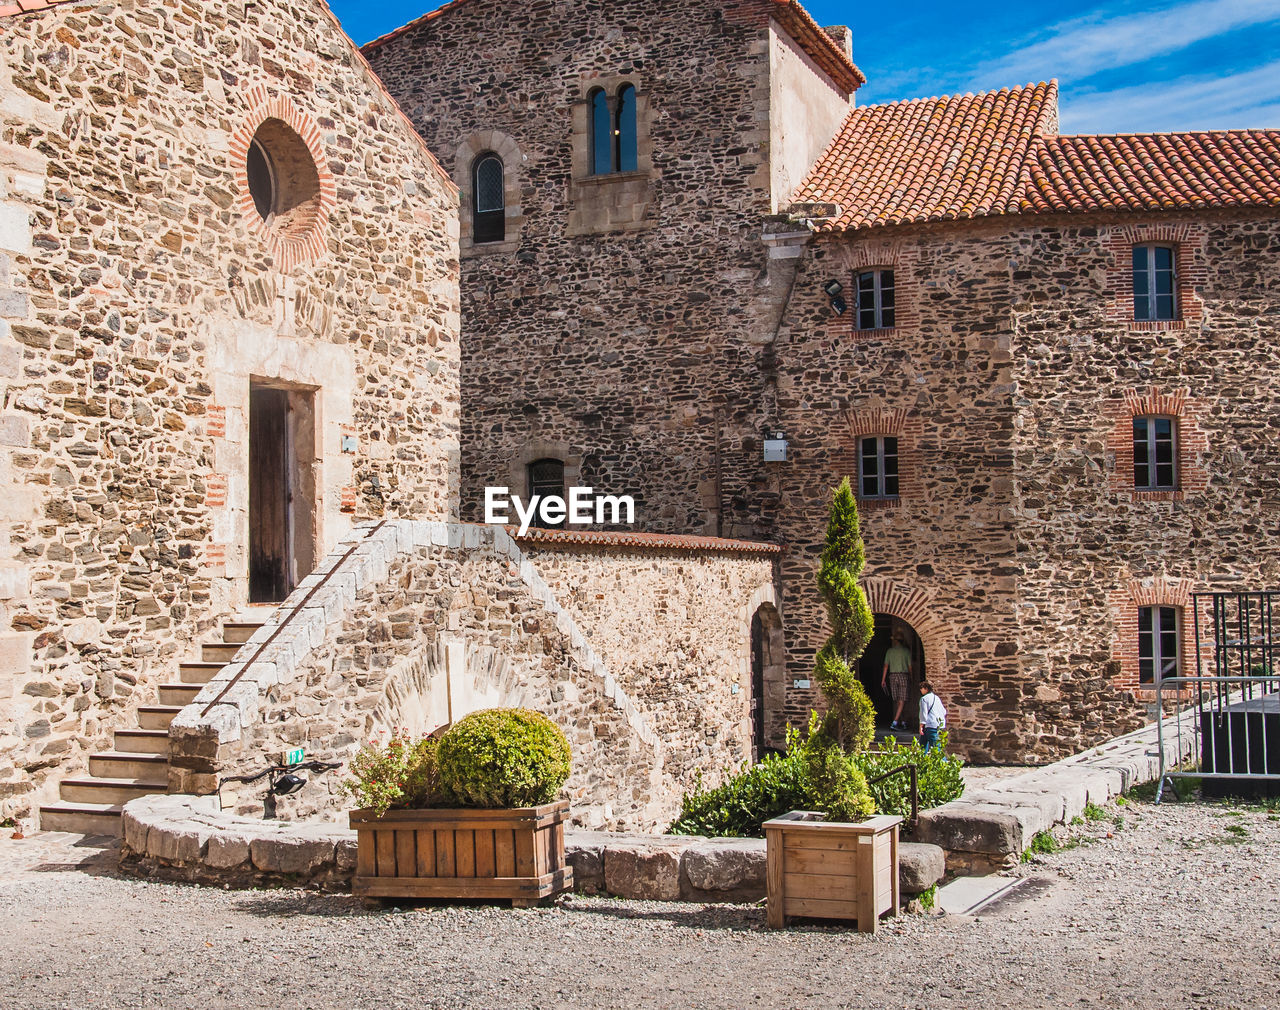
[[901, 258], [1191, 441], [294, 245], [1190, 273], [917, 607], [904, 425], [1125, 599], [468, 151]]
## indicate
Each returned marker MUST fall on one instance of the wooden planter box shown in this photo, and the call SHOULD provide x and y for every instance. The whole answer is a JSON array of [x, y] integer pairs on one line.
[[517, 855], [836, 870]]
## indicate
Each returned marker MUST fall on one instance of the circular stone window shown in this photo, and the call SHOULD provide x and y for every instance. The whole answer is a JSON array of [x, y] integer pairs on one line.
[[283, 179]]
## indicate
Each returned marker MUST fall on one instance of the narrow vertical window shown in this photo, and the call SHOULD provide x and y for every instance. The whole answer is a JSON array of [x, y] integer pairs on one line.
[[1155, 453], [489, 213], [878, 467], [546, 479], [1154, 287], [1158, 643], [602, 147], [875, 300], [626, 151]]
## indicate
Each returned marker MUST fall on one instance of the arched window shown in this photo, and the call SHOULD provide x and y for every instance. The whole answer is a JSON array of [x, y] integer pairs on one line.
[[626, 151], [489, 211], [614, 147], [546, 480], [601, 134], [262, 180]]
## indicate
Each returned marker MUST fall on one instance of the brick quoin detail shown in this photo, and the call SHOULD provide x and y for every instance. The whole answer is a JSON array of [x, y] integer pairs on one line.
[[1158, 591], [289, 246], [903, 425], [1191, 441], [1188, 240], [902, 260], [215, 558], [349, 498], [215, 496], [215, 424], [916, 606]]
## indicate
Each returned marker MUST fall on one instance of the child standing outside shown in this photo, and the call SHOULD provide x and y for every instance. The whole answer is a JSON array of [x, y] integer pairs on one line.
[[933, 716]]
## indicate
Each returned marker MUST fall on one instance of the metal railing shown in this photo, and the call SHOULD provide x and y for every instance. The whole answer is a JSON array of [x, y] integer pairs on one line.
[[1233, 724], [913, 772]]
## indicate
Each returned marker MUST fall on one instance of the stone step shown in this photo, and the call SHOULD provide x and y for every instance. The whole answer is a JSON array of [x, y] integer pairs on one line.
[[198, 673], [157, 716], [239, 631], [81, 818], [142, 741], [179, 694], [108, 791], [219, 652], [128, 765]]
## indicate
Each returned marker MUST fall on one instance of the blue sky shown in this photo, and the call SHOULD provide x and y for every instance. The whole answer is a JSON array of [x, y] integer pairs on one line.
[[1122, 67]]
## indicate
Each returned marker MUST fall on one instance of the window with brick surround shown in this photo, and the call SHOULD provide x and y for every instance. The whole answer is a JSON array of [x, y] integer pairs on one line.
[[1155, 283], [1155, 453], [1159, 643], [489, 206], [878, 467], [875, 300]]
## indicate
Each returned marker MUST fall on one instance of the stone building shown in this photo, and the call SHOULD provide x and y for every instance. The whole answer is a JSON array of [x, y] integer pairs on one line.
[[228, 283], [1046, 361]]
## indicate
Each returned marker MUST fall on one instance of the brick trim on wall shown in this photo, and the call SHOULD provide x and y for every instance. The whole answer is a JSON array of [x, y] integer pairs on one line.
[[856, 257], [917, 607], [1156, 591], [1192, 442], [306, 240], [900, 423], [1188, 240]]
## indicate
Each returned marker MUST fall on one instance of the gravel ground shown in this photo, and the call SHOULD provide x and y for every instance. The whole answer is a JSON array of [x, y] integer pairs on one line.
[[1175, 908]]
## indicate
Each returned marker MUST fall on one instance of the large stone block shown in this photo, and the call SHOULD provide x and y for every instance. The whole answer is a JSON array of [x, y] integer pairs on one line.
[[226, 851], [964, 827], [291, 853], [727, 864], [920, 866], [646, 868]]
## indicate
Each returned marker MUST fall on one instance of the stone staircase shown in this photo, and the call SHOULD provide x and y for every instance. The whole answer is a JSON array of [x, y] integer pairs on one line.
[[139, 762]]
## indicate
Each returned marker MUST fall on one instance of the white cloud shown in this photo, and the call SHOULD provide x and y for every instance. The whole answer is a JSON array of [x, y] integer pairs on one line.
[[1249, 99], [1100, 41]]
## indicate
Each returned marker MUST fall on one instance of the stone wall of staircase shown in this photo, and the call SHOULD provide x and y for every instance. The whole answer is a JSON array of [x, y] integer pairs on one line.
[[415, 624]]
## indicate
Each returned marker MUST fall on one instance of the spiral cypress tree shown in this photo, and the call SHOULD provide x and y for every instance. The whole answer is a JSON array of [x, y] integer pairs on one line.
[[850, 719]]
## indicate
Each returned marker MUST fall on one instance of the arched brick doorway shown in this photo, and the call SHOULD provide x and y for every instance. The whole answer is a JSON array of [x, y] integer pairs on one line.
[[871, 668], [767, 671]]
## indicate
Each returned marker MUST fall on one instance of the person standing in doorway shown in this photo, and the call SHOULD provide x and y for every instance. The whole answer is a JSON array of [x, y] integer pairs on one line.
[[897, 669], [933, 716]]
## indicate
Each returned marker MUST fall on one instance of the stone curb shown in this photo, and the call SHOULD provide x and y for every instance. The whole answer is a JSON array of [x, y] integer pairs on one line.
[[992, 827], [187, 838]]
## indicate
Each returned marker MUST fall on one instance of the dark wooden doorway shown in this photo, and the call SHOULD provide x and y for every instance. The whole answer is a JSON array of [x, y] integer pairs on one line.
[[281, 491], [757, 687]]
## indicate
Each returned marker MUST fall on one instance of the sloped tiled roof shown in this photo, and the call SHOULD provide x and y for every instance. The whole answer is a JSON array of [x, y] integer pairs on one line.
[[791, 14], [969, 156], [930, 159], [27, 6], [1155, 171]]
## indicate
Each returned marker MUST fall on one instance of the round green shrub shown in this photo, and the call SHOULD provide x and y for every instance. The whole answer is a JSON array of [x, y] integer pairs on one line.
[[502, 758]]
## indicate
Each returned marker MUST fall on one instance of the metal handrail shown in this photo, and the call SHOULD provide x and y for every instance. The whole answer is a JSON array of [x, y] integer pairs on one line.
[[289, 617]]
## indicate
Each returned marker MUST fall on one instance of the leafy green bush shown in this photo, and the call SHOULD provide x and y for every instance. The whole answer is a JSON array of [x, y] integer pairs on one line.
[[502, 758], [938, 775], [769, 788]]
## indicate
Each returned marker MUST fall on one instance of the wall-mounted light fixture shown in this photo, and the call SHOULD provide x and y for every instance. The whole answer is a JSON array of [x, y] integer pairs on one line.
[[775, 447], [833, 288]]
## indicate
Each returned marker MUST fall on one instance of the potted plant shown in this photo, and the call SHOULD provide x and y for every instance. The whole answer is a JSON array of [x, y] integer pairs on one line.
[[472, 814]]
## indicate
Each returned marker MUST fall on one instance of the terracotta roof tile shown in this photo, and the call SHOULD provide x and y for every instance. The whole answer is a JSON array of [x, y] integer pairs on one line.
[[967, 156], [931, 159], [830, 56], [649, 541], [27, 6], [1154, 171]]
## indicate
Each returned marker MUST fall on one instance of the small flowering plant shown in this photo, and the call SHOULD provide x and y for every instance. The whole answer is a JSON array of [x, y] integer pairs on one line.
[[399, 773]]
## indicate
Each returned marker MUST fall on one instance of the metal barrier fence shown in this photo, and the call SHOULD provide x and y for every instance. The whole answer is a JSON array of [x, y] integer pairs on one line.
[[1236, 726]]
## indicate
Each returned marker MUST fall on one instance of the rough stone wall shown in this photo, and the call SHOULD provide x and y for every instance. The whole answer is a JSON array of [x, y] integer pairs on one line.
[[1019, 550], [675, 629], [424, 622], [636, 351], [139, 295]]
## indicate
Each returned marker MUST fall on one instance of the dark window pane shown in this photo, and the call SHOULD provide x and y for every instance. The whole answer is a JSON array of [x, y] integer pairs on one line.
[[891, 485], [1164, 307], [546, 479], [866, 282], [627, 150], [1141, 283], [261, 182], [887, 318], [866, 319], [601, 134], [1141, 448], [1164, 476], [489, 194], [1164, 258], [1146, 646]]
